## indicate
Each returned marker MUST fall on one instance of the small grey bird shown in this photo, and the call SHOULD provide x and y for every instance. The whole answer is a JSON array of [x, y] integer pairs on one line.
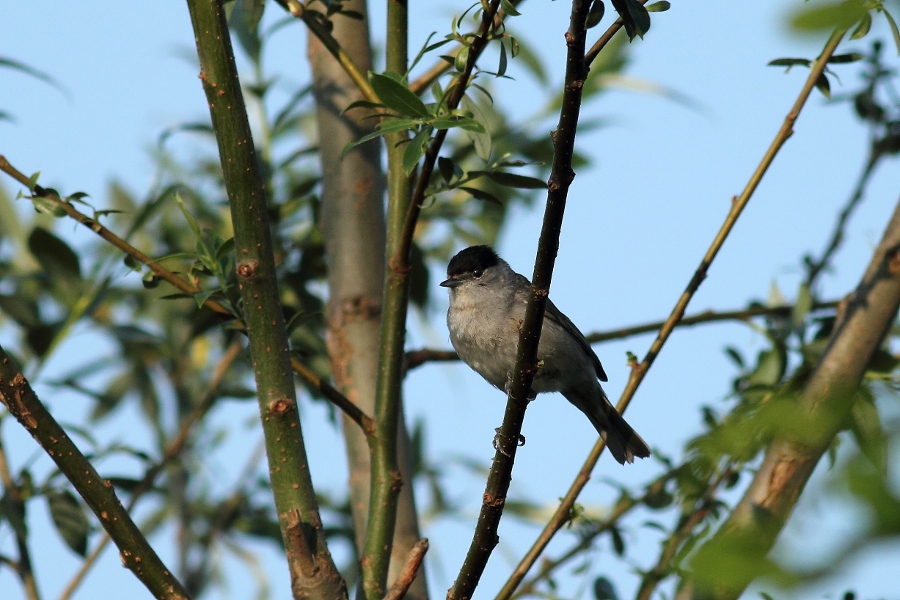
[[487, 307]]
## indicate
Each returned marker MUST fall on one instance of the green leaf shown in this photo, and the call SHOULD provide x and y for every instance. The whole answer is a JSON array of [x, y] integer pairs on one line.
[[661, 6], [69, 519], [362, 104], [863, 28], [461, 59], [769, 369], [802, 306], [415, 149], [617, 541], [789, 62], [866, 427], [32, 181], [830, 16], [604, 590], [595, 14], [447, 168], [517, 181], [397, 96], [894, 31], [509, 8], [481, 195], [635, 17], [22, 67], [850, 57], [53, 254], [823, 85], [481, 140], [501, 67]]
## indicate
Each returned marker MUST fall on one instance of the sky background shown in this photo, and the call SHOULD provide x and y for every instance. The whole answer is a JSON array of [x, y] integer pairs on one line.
[[637, 223]]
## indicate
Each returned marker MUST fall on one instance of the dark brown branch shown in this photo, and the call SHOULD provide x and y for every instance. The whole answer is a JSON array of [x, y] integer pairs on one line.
[[413, 560], [561, 176], [639, 371], [136, 553]]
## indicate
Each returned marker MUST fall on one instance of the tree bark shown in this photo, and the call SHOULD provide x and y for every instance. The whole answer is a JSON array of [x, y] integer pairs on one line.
[[353, 224]]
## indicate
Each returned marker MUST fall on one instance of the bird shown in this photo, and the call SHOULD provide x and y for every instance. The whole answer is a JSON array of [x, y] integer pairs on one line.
[[487, 308]]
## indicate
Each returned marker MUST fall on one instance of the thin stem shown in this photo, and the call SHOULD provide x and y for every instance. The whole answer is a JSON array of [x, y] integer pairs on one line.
[[639, 371], [561, 176], [386, 480], [816, 267], [318, 29], [417, 358], [414, 559]]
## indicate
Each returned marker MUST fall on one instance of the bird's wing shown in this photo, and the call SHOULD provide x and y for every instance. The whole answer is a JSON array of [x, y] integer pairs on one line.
[[556, 316]]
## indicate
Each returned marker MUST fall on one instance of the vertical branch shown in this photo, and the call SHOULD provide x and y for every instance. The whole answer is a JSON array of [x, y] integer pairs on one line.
[[353, 226], [386, 480], [561, 516], [288, 466], [136, 553], [561, 176]]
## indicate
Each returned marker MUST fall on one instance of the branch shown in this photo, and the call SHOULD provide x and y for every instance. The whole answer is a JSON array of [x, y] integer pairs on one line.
[[815, 418], [136, 553], [639, 371], [413, 560], [817, 266], [561, 176], [187, 287], [417, 358], [623, 506], [292, 486], [318, 29]]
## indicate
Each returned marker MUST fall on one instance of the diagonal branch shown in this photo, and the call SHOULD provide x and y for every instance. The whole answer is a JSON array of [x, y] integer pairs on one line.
[[815, 417], [136, 553], [305, 373], [560, 517], [561, 176]]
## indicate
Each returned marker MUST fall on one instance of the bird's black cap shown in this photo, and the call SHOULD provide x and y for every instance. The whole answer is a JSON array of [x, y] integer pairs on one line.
[[472, 258]]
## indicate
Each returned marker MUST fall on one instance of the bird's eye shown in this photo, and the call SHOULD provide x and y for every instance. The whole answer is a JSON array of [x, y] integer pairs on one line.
[[477, 273]]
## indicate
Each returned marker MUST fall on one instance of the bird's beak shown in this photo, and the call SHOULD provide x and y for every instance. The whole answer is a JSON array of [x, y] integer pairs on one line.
[[451, 283]]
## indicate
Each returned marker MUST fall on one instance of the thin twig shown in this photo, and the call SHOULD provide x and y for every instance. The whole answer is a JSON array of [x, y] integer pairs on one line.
[[408, 573], [639, 371], [417, 358], [327, 390], [561, 175], [817, 266]]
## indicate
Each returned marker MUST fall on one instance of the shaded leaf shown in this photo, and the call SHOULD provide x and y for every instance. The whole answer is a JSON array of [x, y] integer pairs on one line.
[[69, 519], [823, 85], [830, 16], [604, 590], [517, 181], [595, 14], [661, 6]]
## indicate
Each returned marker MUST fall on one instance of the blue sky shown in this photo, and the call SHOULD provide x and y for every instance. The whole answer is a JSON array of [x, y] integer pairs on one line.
[[638, 221]]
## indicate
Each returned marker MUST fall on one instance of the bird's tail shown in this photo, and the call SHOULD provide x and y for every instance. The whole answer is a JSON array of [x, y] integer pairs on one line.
[[623, 442]]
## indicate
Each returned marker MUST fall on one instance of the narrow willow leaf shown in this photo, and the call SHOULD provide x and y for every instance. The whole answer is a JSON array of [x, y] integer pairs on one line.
[[789, 62], [802, 306], [501, 67], [397, 96], [53, 254], [481, 195], [70, 521], [850, 57], [595, 15], [517, 181], [863, 28], [415, 149], [661, 6], [823, 85], [894, 30], [509, 8]]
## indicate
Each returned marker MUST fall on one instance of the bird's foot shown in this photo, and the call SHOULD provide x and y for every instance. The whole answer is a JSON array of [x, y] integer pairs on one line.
[[496, 443]]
